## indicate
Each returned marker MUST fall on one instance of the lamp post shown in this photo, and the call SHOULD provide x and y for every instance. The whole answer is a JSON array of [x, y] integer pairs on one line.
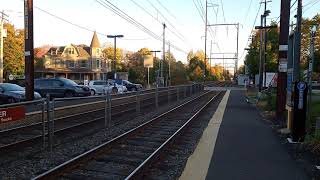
[[115, 53]]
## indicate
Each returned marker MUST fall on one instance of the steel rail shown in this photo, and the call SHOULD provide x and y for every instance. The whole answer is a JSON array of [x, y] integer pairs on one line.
[[58, 170]]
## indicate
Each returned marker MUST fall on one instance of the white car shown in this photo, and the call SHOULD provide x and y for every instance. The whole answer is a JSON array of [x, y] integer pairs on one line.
[[102, 86]]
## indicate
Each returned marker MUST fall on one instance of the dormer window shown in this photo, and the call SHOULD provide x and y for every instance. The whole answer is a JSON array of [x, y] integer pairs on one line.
[[70, 51], [53, 52]]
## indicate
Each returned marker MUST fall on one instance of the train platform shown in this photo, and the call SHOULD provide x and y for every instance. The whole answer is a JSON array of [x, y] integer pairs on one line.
[[239, 145]]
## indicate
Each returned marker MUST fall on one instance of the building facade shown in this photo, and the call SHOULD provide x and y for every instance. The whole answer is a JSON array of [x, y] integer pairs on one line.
[[76, 62]]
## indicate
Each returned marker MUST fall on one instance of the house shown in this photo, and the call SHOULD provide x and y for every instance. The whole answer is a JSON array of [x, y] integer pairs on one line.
[[76, 62]]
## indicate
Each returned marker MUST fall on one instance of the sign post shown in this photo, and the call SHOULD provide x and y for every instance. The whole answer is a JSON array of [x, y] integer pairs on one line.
[[299, 113], [148, 63]]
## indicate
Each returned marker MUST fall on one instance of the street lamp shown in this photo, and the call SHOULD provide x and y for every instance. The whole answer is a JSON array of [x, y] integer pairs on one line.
[[115, 53]]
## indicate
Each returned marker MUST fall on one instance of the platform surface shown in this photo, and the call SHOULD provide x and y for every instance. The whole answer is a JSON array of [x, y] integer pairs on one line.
[[240, 146]]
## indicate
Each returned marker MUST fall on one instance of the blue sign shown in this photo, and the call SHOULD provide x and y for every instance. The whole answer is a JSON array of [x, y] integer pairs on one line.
[[301, 86]]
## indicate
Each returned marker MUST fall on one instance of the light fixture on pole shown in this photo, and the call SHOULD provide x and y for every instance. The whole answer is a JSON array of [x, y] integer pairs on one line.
[[115, 53]]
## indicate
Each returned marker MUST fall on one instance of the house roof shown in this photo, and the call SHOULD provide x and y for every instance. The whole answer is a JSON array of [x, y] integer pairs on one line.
[[95, 41]]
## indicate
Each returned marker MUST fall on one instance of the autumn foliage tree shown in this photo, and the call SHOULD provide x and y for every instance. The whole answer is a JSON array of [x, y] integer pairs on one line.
[[13, 51]]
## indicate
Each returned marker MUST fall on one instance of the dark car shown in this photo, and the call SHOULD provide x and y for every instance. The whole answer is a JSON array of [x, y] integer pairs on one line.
[[60, 87], [131, 86], [12, 93]]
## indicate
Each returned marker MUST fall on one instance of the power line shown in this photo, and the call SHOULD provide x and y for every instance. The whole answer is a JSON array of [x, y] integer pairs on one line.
[[247, 12], [147, 12], [83, 27], [108, 5], [166, 9], [224, 18], [179, 35], [255, 20], [310, 6]]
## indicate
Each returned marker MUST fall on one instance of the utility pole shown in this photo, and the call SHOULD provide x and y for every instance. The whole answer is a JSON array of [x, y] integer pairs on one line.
[[115, 53], [298, 42], [169, 64], [29, 51], [163, 50], [3, 34], [263, 42], [205, 40], [155, 57], [310, 70], [210, 56], [261, 55], [237, 58], [282, 58]]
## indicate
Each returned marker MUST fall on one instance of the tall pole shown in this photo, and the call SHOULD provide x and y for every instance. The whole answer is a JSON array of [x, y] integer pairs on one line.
[[265, 48], [169, 64], [210, 57], [2, 35], [115, 58], [115, 53], [237, 60], [29, 56], [310, 70], [205, 40], [282, 58], [164, 49], [298, 40], [261, 61]]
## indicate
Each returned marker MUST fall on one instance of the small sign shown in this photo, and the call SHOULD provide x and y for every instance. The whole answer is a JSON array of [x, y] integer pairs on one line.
[[27, 53], [12, 114], [148, 61], [11, 77], [301, 88], [283, 47], [283, 66]]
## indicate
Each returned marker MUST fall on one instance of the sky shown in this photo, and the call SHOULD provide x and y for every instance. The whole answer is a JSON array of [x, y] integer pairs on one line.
[[185, 26]]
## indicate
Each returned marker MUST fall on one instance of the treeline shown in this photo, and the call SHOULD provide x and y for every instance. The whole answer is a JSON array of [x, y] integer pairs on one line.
[[132, 63], [253, 55]]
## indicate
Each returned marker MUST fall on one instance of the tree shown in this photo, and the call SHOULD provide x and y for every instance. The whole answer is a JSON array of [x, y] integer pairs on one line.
[[13, 51], [137, 72], [109, 54], [39, 52], [252, 59]]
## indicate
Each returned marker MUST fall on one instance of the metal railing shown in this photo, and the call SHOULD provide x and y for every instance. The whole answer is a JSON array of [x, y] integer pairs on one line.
[[51, 110]]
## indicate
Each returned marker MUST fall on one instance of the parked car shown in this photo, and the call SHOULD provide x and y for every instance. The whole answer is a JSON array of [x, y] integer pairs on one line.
[[12, 93], [103, 86], [118, 84], [131, 86], [60, 87]]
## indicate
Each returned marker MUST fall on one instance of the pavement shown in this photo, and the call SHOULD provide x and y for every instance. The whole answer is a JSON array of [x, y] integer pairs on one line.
[[239, 145]]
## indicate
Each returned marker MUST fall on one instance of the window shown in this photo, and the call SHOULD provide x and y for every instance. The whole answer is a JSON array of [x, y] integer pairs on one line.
[[98, 51], [98, 83], [83, 63], [56, 83], [71, 64], [70, 50], [59, 63], [98, 63]]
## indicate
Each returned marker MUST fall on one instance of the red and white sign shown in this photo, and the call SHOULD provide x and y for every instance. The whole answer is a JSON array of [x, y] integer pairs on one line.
[[12, 114]]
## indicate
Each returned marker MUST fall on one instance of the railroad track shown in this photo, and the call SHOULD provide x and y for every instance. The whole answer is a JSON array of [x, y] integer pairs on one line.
[[92, 121], [127, 155]]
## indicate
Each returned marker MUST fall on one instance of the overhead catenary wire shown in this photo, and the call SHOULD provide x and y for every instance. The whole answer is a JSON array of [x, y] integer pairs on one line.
[[176, 32], [156, 19], [255, 20], [110, 6]]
